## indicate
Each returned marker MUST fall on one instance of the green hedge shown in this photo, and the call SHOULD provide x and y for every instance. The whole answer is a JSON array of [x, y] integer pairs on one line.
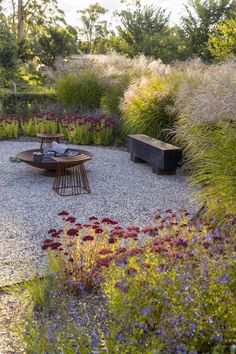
[[24, 103]]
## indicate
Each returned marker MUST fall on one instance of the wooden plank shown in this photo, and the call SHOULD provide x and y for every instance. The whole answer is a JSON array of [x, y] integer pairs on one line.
[[161, 155]]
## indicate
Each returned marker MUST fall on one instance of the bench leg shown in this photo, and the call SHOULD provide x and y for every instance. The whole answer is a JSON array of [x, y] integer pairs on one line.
[[159, 171], [135, 158]]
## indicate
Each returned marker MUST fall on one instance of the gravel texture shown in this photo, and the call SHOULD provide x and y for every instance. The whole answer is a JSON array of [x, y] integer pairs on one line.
[[121, 189]]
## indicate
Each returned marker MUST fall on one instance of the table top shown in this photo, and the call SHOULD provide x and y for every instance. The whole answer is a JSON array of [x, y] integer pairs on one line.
[[50, 135], [67, 161]]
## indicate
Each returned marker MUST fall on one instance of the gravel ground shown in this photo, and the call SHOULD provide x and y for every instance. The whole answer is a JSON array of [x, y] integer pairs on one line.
[[121, 189]]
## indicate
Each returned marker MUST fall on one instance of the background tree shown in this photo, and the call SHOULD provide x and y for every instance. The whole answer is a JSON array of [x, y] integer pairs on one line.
[[29, 15], [222, 40], [56, 41], [141, 29], [200, 18], [8, 49], [8, 55], [94, 27]]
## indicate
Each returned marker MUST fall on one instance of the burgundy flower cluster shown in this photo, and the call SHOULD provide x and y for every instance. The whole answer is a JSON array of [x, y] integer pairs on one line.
[[106, 242], [95, 122]]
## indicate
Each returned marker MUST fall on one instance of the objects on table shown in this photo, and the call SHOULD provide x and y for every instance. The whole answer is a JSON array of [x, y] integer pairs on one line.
[[70, 177], [54, 150], [48, 138]]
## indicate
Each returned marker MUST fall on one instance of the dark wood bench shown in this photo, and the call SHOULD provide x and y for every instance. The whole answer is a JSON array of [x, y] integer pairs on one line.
[[164, 158]]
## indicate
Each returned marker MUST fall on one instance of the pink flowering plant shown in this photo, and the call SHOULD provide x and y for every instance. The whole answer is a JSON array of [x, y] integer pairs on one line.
[[87, 128], [169, 287], [79, 129], [83, 250], [40, 122]]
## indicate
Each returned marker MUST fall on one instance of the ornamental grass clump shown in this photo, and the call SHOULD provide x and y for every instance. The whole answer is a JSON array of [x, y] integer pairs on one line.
[[206, 129], [80, 91], [114, 66], [146, 106], [178, 295]]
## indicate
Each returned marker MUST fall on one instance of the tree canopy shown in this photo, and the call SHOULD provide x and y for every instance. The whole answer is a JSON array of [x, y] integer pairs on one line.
[[200, 17], [222, 40], [94, 27]]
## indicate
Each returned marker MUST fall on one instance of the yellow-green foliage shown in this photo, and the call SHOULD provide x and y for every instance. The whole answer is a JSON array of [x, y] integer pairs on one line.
[[36, 125], [9, 128], [84, 130], [87, 129], [81, 91], [222, 40], [146, 107]]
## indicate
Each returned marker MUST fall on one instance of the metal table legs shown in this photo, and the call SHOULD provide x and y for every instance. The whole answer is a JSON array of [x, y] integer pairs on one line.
[[71, 180]]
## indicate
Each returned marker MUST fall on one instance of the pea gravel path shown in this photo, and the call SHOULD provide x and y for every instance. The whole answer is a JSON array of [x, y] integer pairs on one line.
[[121, 189]]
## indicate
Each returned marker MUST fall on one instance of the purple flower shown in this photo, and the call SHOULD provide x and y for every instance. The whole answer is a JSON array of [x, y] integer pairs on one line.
[[160, 331], [146, 310], [217, 337], [217, 233], [121, 284], [224, 278]]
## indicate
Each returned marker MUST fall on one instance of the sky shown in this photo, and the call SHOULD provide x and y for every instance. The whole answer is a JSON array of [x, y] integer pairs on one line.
[[71, 6]]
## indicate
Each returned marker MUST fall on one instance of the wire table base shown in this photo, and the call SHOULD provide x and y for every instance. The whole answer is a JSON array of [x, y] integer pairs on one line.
[[71, 180]]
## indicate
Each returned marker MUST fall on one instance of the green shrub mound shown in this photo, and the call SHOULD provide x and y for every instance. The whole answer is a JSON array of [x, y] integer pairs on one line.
[[24, 103], [80, 91], [146, 107]]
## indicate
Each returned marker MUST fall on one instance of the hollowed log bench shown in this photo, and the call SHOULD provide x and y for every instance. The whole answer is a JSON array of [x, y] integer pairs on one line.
[[164, 158]]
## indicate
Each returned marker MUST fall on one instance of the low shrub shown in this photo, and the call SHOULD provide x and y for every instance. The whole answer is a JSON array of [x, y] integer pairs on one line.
[[170, 287], [178, 294], [24, 103], [9, 127], [146, 106], [51, 322], [80, 91]]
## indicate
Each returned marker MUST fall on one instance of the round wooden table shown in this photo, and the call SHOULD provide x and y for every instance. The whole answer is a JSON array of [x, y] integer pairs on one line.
[[70, 177], [48, 138]]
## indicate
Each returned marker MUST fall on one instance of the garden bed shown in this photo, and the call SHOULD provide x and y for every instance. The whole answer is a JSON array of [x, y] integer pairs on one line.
[[119, 188]]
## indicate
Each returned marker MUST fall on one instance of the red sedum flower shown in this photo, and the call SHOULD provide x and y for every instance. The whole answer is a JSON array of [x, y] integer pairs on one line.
[[63, 213], [88, 238]]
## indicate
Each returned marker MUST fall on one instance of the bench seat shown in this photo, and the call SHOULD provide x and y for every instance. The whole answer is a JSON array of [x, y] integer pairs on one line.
[[164, 157]]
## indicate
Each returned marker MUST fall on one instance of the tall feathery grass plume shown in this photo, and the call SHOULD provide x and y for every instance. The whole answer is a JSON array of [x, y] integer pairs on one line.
[[206, 129]]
